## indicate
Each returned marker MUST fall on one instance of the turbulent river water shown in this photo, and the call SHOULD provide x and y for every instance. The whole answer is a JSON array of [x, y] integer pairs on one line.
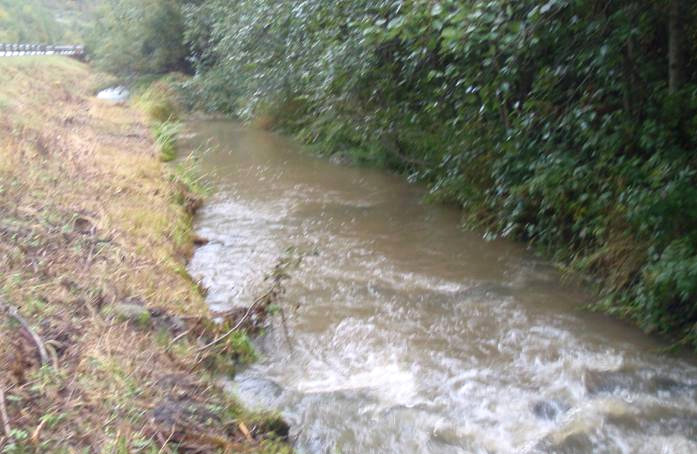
[[413, 336]]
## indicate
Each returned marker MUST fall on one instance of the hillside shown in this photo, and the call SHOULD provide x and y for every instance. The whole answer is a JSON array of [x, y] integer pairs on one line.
[[44, 21], [100, 320]]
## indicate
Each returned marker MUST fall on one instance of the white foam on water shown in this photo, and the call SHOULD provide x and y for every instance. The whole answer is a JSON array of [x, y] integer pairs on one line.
[[389, 383]]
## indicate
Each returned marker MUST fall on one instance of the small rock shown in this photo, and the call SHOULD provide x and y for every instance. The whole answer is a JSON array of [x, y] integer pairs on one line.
[[549, 409], [187, 420], [341, 159], [274, 425], [602, 381], [83, 225], [131, 312], [163, 320], [633, 381], [572, 443], [176, 324], [264, 393], [199, 240], [666, 384]]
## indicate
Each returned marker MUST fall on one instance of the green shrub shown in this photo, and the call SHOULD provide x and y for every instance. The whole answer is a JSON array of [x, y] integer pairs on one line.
[[136, 37], [160, 100], [166, 134], [554, 122]]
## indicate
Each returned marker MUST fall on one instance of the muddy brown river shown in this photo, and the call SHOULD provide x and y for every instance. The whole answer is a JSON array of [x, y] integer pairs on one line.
[[412, 335]]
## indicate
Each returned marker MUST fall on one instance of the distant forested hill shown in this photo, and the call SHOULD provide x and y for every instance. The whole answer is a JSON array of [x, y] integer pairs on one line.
[[44, 21]]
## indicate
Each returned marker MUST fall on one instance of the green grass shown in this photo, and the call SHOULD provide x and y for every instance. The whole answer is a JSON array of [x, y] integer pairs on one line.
[[166, 134]]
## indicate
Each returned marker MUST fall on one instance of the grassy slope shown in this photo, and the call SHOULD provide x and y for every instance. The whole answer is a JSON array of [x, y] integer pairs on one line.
[[89, 218]]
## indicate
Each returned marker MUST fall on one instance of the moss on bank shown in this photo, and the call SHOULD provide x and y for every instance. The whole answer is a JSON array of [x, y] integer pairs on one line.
[[94, 235]]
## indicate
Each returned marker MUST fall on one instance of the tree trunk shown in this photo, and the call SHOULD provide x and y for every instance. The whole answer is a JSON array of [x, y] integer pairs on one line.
[[629, 85], [675, 52]]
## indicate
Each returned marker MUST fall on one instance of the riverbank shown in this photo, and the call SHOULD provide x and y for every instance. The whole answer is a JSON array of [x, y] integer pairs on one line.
[[101, 324]]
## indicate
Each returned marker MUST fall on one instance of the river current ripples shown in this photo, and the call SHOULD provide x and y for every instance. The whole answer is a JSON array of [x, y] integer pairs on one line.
[[413, 336]]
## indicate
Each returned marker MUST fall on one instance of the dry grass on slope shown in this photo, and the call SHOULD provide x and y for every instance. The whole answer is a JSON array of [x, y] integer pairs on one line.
[[94, 234]]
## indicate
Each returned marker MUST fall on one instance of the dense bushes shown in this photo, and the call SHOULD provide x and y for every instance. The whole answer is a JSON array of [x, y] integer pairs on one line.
[[571, 124], [136, 37], [549, 121]]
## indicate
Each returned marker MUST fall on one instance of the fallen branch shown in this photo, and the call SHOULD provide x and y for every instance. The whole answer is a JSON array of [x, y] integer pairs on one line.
[[3, 413], [176, 339], [238, 324], [12, 312], [50, 347], [37, 432], [285, 330], [276, 290], [164, 444], [245, 431]]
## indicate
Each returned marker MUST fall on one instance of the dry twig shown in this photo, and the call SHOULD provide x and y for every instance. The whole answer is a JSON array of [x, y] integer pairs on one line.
[[285, 331], [238, 324], [179, 337], [3, 413], [245, 431], [12, 312], [164, 444], [37, 432]]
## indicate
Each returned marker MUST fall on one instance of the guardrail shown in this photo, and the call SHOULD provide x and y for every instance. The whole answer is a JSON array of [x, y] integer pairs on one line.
[[15, 50]]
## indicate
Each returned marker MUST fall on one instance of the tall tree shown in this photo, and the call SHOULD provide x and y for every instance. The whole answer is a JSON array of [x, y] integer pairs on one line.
[[675, 45]]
